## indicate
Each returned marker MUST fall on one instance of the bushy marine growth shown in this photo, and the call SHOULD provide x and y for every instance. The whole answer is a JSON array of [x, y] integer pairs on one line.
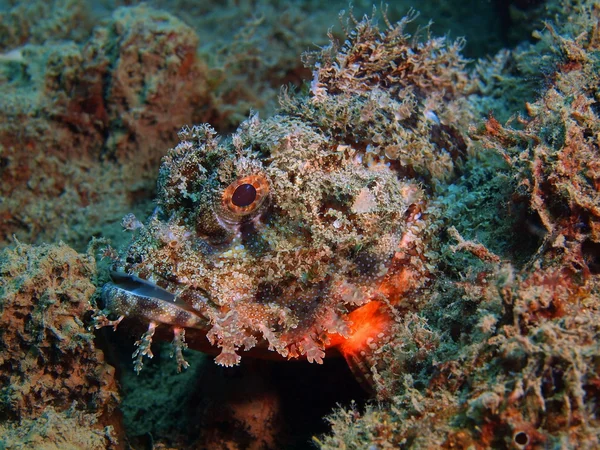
[[50, 369], [276, 236], [506, 356]]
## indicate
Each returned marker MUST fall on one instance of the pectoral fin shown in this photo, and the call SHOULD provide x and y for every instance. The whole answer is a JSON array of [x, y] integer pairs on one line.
[[371, 328]]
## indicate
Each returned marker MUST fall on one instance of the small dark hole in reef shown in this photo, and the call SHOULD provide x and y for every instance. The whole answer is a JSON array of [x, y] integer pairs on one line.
[[455, 331], [521, 438], [529, 233], [591, 255], [553, 382]]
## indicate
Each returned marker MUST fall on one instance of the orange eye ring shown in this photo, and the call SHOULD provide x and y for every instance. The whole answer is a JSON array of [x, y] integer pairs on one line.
[[245, 195]]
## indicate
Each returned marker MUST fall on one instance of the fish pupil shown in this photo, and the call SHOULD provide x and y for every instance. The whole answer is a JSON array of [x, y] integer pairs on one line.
[[244, 195]]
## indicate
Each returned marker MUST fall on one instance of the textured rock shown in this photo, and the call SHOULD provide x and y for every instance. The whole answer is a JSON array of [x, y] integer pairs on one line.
[[50, 369]]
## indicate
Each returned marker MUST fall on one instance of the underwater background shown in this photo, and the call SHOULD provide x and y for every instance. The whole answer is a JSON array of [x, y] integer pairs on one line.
[[485, 111]]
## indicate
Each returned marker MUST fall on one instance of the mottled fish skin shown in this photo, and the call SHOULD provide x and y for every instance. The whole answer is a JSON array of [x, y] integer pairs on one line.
[[276, 236]]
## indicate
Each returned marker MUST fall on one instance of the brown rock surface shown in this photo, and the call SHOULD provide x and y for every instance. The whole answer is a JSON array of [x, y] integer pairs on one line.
[[50, 370]]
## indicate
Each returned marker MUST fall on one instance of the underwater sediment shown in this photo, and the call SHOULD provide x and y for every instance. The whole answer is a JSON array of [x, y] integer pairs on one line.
[[432, 220]]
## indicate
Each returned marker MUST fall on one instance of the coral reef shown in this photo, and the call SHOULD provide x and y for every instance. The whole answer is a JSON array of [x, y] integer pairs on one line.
[[52, 375], [505, 354], [433, 220], [79, 120]]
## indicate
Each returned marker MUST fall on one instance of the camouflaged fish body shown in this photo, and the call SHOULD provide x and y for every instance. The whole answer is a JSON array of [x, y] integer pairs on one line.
[[303, 232]]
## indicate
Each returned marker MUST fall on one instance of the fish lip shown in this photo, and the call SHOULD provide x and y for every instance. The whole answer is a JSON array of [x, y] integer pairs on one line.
[[140, 287]]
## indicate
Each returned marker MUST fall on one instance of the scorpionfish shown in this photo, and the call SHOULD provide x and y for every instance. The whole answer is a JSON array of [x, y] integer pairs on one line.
[[305, 234]]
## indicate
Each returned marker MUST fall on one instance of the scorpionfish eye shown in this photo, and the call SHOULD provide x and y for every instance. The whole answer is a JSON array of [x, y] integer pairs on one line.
[[244, 198], [244, 195]]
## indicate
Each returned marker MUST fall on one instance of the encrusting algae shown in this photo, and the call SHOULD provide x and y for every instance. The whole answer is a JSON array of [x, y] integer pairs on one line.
[[307, 232]]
